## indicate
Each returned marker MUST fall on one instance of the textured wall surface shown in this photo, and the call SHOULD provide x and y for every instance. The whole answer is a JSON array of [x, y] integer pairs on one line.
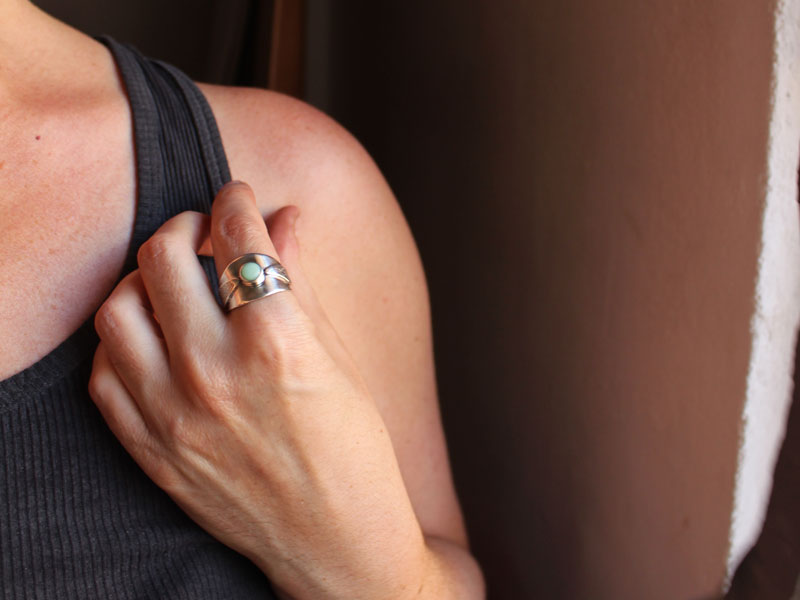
[[774, 325], [586, 181]]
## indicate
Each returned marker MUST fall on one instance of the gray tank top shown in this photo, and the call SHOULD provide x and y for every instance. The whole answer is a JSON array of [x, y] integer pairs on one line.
[[78, 518]]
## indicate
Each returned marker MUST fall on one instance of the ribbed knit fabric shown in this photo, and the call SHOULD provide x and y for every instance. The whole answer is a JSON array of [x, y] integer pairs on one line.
[[78, 518]]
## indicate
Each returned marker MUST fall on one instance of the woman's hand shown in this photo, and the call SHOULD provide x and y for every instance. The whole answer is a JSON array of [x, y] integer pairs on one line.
[[256, 422]]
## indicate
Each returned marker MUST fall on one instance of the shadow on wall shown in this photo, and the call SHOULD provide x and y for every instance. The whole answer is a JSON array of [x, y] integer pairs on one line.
[[217, 41]]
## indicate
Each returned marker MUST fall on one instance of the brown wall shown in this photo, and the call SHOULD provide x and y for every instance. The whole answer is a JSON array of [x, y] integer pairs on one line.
[[585, 181]]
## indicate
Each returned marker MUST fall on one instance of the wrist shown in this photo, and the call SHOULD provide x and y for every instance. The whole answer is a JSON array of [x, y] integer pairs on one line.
[[393, 568], [437, 570], [449, 572]]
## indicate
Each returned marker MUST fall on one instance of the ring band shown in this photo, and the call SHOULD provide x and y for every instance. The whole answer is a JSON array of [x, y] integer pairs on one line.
[[251, 277]]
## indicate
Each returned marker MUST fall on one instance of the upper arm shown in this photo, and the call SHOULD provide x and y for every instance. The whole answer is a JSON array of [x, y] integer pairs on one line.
[[361, 259]]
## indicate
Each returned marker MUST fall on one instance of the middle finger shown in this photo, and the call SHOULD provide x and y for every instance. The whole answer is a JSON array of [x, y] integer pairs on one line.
[[179, 292]]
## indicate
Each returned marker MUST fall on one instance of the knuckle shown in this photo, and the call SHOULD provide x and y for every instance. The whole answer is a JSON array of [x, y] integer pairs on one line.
[[194, 371], [107, 318], [272, 357], [209, 391], [176, 430], [207, 386], [155, 250], [98, 385], [239, 228], [286, 352]]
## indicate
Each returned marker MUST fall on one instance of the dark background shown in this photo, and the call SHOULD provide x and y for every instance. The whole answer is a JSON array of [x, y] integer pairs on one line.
[[585, 183]]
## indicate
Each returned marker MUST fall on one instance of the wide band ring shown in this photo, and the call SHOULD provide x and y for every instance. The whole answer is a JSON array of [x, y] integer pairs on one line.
[[251, 277]]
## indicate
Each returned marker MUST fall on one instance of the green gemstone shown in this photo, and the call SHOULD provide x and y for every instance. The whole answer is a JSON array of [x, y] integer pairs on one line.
[[250, 271]]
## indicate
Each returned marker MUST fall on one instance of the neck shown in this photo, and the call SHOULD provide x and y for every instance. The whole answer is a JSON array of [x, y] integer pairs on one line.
[[39, 52], [19, 22], [8, 7]]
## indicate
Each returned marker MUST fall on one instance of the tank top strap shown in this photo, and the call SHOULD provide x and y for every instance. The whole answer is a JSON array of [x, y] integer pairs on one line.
[[180, 159]]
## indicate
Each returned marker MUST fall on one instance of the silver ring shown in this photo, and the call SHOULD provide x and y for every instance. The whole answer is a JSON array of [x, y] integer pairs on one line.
[[251, 277]]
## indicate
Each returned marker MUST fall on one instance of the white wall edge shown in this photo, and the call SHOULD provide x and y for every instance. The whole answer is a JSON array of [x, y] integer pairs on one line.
[[777, 300]]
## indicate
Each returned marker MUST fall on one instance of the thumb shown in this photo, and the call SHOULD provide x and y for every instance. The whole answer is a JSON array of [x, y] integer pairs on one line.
[[281, 226]]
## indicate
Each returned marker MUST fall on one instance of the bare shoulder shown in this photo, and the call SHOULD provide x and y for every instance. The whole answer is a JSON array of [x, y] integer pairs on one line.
[[285, 140], [362, 261], [291, 153]]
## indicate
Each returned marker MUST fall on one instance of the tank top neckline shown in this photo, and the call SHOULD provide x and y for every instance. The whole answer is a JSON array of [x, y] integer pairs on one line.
[[79, 346]]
